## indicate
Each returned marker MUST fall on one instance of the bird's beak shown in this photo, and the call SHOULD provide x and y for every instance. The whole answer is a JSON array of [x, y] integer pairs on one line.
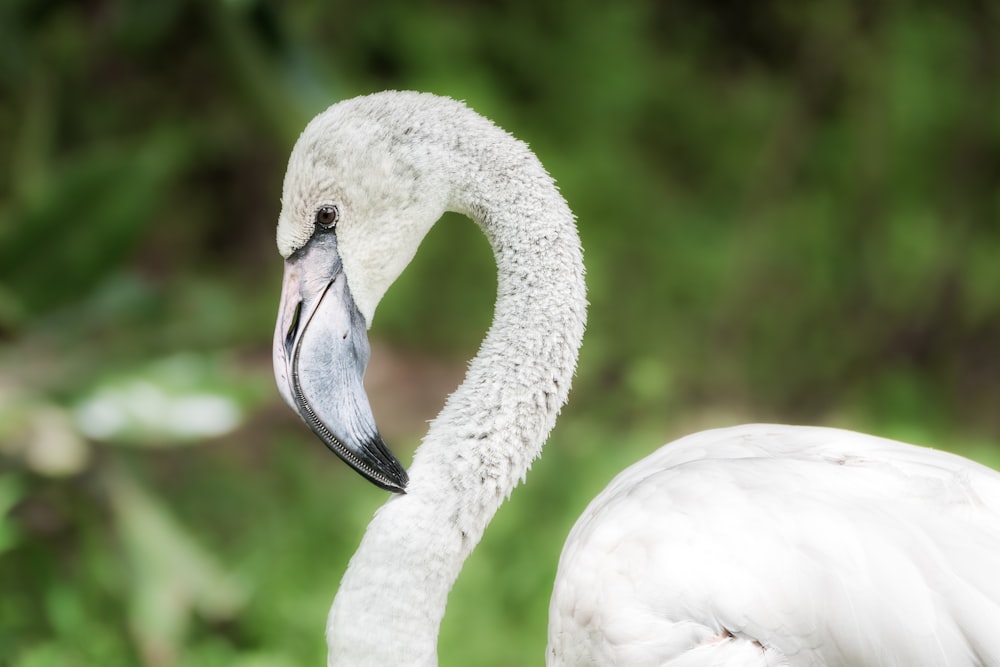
[[320, 354]]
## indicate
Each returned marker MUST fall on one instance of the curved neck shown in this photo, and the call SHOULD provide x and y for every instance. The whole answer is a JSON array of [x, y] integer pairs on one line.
[[392, 598]]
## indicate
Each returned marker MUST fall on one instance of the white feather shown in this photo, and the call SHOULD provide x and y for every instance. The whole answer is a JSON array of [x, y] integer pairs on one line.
[[824, 546]]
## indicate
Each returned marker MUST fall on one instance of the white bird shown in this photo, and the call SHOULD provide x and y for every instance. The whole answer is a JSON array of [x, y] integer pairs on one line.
[[752, 545]]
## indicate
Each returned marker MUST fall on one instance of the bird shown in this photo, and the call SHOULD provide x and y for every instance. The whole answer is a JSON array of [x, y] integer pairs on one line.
[[757, 544]]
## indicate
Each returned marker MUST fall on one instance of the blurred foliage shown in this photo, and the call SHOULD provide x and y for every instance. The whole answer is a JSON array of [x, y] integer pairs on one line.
[[790, 211]]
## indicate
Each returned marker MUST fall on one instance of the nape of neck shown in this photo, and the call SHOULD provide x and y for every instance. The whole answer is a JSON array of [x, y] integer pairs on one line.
[[391, 601]]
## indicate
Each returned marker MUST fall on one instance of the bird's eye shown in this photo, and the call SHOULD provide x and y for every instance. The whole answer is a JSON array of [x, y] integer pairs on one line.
[[327, 216]]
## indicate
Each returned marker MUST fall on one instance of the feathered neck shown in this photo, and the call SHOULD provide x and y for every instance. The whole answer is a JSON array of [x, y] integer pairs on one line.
[[392, 598]]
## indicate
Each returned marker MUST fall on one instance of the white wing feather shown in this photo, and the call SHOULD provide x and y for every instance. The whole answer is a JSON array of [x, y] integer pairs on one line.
[[797, 545]]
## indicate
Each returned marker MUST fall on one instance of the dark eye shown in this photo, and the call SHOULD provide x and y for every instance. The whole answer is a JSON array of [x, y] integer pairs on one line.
[[327, 216]]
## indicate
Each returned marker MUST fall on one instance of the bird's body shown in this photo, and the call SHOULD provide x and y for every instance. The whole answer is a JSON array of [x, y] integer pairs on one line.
[[784, 545], [753, 545]]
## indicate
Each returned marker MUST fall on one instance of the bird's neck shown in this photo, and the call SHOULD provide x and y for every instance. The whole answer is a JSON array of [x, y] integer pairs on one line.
[[392, 598]]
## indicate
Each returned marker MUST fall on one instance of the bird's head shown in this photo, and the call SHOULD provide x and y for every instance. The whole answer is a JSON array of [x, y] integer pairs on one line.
[[359, 195]]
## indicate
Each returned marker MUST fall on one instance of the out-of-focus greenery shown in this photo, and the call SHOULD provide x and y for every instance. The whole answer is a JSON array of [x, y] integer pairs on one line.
[[791, 211]]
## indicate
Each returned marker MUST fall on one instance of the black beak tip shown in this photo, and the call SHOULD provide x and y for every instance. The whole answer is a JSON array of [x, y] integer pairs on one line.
[[391, 475], [399, 481], [394, 480], [376, 463]]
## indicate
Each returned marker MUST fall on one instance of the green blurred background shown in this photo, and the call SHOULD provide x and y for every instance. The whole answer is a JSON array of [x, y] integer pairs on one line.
[[790, 212]]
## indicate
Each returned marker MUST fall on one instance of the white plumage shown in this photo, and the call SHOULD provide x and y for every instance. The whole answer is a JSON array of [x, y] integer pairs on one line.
[[753, 545], [784, 545]]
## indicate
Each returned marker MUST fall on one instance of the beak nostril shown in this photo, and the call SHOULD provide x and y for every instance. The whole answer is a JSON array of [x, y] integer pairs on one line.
[[293, 328]]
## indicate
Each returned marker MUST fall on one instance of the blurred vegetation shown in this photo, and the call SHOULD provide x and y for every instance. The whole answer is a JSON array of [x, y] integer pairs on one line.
[[790, 212]]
